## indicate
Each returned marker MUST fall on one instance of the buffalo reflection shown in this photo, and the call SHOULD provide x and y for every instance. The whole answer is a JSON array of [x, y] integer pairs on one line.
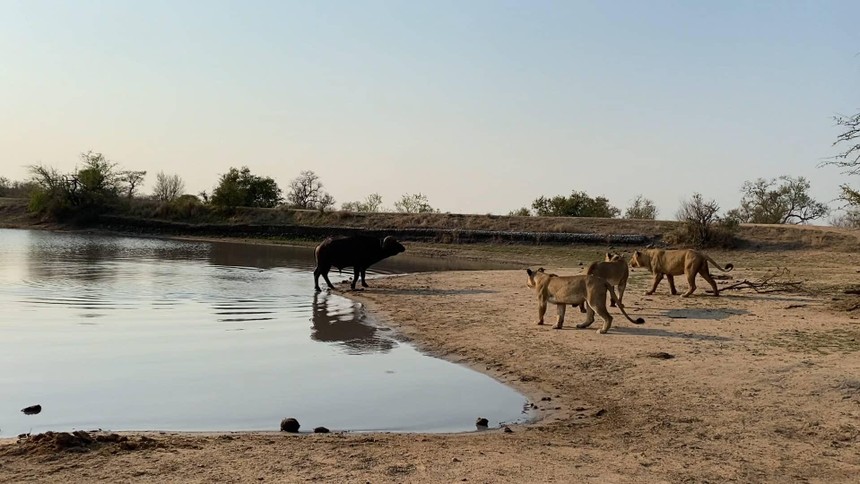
[[345, 327]]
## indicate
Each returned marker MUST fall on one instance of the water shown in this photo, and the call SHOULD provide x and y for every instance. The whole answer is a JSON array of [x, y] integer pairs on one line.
[[146, 334]]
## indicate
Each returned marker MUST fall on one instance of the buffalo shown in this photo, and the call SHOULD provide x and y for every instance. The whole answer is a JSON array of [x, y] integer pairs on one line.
[[358, 252]]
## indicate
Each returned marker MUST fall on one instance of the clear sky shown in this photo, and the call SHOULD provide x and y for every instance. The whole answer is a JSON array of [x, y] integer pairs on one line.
[[481, 105]]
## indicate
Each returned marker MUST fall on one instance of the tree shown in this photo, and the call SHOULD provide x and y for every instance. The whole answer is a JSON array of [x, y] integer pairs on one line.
[[848, 220], [416, 203], [240, 188], [578, 204], [168, 187], [130, 179], [641, 208], [778, 201], [306, 191], [850, 158], [372, 203], [520, 212]]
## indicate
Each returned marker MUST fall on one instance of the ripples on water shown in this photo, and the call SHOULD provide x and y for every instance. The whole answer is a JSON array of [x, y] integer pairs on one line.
[[129, 333]]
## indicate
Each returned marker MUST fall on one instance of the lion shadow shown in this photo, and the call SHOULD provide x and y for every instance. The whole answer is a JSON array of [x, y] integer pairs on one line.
[[664, 333]]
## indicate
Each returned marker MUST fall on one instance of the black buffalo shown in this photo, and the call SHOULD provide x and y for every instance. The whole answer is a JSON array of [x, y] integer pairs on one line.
[[358, 252]]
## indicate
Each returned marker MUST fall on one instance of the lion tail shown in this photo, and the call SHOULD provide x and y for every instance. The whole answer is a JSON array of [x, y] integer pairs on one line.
[[621, 306], [728, 267]]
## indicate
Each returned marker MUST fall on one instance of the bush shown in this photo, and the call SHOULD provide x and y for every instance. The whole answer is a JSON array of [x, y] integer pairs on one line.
[[701, 225], [641, 208], [578, 204], [82, 194], [239, 188]]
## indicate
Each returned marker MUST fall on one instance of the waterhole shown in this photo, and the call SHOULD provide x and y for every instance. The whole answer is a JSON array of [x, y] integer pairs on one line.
[[120, 333]]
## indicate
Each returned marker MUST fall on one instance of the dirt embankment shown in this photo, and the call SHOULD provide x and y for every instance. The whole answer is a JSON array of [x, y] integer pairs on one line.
[[145, 217]]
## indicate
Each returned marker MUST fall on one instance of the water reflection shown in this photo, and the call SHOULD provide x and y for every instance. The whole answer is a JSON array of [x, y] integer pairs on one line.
[[260, 256], [345, 324]]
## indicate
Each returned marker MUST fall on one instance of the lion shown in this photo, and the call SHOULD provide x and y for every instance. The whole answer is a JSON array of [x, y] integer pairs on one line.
[[575, 290], [674, 263], [614, 269]]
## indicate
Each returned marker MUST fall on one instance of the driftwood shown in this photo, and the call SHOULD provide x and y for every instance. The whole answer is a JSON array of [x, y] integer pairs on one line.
[[778, 280]]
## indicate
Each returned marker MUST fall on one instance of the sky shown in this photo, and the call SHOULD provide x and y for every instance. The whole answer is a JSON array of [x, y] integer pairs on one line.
[[483, 106]]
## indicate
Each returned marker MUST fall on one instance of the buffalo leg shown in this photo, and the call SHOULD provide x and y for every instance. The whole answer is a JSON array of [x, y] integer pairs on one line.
[[356, 272], [321, 271], [363, 273]]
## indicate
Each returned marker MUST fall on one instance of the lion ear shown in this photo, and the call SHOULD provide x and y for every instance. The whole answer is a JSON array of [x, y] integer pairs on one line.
[[528, 271], [540, 269]]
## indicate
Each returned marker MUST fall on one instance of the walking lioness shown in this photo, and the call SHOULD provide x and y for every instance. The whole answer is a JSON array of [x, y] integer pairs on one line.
[[674, 263], [564, 290], [614, 269]]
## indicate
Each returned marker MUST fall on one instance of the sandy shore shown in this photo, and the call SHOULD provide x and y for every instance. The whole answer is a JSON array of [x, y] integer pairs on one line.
[[747, 387]]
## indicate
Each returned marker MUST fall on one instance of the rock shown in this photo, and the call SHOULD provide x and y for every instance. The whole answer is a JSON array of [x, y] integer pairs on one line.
[[546, 399], [660, 355], [32, 409], [507, 429], [600, 412], [290, 425], [321, 430], [455, 460], [482, 422]]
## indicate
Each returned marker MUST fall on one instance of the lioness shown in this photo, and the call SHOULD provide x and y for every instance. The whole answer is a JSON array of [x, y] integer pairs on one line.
[[564, 290], [614, 270], [674, 263]]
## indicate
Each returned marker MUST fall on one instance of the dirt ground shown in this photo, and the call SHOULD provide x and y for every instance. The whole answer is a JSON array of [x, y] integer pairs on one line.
[[747, 387]]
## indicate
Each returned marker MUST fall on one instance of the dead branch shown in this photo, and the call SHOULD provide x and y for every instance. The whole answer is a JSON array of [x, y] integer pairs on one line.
[[778, 280]]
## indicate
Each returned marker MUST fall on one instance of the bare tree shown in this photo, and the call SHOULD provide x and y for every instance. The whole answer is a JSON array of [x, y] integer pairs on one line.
[[850, 158], [416, 203], [306, 191], [130, 179], [699, 217], [372, 203], [848, 220], [168, 187], [641, 208]]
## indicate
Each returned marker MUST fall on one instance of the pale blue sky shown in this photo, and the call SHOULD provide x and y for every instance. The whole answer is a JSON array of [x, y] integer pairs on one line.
[[481, 105]]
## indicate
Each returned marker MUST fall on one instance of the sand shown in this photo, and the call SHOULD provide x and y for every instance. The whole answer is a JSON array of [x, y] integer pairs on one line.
[[746, 387]]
